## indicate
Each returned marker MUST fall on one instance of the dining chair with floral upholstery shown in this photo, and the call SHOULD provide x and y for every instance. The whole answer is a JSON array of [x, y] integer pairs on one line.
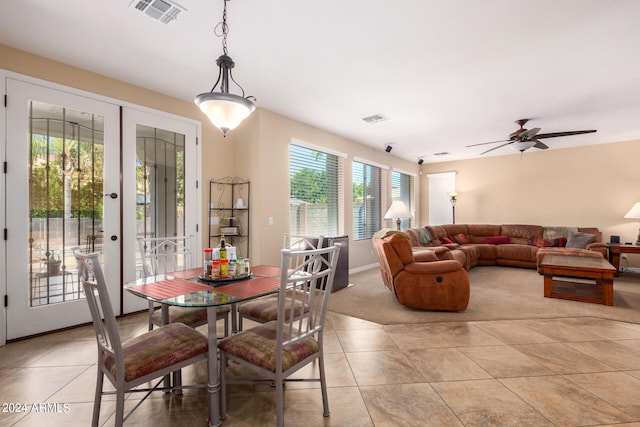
[[132, 363], [277, 349], [265, 309]]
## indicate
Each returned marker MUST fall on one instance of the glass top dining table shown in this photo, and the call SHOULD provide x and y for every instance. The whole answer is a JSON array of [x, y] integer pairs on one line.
[[186, 289]]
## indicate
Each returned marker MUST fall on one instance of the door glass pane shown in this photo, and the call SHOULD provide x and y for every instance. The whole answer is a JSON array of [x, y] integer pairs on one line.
[[160, 184], [66, 157]]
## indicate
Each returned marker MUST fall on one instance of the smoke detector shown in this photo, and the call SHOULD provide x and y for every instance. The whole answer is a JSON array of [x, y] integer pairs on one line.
[[375, 118], [164, 11]]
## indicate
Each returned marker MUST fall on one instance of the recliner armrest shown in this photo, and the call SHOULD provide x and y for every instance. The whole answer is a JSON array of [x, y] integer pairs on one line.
[[433, 267], [424, 256]]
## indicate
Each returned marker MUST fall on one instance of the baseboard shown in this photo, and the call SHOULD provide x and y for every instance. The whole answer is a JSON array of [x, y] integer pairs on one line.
[[363, 268], [630, 269]]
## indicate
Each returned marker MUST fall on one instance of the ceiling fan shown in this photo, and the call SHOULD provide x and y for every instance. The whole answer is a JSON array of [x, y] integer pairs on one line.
[[523, 139]]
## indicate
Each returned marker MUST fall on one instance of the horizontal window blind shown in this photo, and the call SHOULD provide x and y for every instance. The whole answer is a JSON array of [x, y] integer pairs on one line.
[[402, 188], [316, 205], [369, 199]]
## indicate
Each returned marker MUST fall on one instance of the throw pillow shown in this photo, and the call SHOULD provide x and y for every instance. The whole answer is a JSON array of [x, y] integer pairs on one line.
[[424, 236], [448, 240], [497, 240], [461, 239], [547, 243], [580, 240]]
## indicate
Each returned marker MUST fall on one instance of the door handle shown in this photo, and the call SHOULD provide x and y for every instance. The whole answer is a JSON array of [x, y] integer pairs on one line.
[[114, 238], [112, 195]]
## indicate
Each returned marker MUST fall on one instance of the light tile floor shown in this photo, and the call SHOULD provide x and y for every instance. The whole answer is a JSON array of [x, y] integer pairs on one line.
[[563, 372]]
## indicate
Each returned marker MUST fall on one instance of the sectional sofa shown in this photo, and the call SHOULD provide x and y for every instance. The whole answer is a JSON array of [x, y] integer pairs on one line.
[[511, 245]]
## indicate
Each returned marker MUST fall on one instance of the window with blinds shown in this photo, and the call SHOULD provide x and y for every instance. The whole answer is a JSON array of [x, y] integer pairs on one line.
[[402, 188], [316, 202], [368, 199]]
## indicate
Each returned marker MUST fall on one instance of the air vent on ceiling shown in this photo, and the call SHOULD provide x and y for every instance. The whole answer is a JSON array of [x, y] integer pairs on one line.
[[164, 11], [443, 153], [375, 118]]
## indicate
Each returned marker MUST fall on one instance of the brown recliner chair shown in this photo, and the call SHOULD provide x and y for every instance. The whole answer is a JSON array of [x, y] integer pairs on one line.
[[426, 282]]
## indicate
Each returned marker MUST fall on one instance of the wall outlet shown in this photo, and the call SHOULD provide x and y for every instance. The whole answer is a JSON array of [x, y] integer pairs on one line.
[[623, 256]]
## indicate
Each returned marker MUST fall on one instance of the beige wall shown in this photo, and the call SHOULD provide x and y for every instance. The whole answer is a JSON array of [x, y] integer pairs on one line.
[[262, 155], [257, 150], [586, 186]]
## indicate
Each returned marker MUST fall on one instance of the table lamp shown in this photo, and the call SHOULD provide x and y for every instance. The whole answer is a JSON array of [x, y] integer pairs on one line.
[[398, 210], [634, 213]]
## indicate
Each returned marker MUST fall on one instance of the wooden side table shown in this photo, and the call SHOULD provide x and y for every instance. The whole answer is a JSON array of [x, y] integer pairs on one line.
[[616, 250]]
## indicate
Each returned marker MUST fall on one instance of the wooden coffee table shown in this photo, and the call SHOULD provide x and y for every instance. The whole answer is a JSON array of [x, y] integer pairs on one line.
[[598, 269]]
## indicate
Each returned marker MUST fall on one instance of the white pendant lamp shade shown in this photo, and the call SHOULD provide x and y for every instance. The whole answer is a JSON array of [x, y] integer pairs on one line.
[[225, 110]]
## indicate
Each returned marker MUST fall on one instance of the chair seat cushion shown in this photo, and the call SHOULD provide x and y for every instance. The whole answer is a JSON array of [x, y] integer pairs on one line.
[[190, 316], [258, 346], [266, 309], [158, 349]]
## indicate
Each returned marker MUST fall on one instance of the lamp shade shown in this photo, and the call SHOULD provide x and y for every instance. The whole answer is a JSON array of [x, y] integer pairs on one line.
[[225, 110], [634, 212], [398, 210]]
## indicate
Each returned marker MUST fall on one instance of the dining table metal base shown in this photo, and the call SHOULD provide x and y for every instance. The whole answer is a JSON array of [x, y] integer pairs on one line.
[[213, 387]]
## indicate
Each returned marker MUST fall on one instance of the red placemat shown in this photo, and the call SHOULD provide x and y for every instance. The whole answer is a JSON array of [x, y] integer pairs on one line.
[[186, 274], [249, 288], [265, 270], [169, 288]]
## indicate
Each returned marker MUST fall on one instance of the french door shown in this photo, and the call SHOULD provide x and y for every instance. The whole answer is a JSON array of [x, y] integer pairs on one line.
[[62, 190], [160, 191], [70, 181]]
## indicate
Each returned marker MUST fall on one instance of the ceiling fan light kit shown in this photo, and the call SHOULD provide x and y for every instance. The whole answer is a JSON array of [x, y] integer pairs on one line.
[[225, 110], [523, 139]]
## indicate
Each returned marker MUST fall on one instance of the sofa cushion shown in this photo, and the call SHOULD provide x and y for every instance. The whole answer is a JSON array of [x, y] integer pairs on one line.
[[479, 232], [497, 240], [580, 240], [522, 234], [402, 247], [550, 243], [514, 252]]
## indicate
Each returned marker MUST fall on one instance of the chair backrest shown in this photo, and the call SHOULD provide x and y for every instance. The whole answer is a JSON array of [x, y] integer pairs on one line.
[[91, 276], [302, 242], [314, 270], [165, 254]]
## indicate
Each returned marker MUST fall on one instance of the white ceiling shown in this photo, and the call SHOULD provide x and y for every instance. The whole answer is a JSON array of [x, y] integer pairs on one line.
[[447, 73]]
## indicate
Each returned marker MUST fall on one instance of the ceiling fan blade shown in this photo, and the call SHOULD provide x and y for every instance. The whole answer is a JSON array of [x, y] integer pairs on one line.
[[529, 133], [485, 143], [557, 134], [539, 144], [495, 148]]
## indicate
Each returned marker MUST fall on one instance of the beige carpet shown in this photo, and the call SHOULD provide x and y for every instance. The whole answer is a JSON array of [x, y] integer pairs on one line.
[[497, 293]]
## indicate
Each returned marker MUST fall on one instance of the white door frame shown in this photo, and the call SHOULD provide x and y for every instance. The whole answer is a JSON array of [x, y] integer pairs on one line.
[[3, 222]]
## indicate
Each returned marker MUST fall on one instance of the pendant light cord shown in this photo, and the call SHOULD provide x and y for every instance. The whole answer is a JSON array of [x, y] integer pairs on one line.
[[222, 29]]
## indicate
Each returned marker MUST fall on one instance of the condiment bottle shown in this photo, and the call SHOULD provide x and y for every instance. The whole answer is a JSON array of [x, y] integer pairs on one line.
[[224, 268], [240, 267], [232, 268], [223, 249], [207, 258], [215, 269]]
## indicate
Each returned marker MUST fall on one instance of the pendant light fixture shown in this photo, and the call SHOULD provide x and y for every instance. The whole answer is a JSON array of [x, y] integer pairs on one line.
[[224, 109]]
